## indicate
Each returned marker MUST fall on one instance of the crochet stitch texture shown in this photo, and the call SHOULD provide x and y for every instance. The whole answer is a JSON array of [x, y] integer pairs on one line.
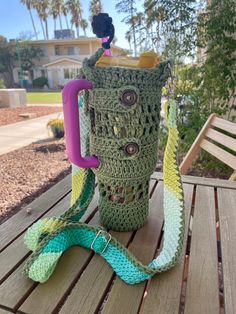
[[124, 107], [49, 238]]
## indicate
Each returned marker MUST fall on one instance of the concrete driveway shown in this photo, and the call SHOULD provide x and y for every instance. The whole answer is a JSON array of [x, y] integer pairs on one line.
[[20, 134]]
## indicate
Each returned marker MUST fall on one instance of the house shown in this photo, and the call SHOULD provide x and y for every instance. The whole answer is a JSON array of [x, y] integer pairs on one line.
[[62, 58]]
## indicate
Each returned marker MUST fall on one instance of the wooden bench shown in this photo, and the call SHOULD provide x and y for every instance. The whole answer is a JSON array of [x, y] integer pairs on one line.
[[204, 281], [215, 131]]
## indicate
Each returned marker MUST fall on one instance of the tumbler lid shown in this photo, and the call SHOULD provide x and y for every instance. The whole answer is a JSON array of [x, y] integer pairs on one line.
[[148, 60]]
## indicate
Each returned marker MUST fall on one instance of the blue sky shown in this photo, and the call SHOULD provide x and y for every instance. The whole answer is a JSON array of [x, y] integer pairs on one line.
[[14, 19]]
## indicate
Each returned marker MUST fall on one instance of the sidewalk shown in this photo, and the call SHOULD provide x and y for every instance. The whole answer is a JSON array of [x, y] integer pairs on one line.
[[20, 134], [44, 105]]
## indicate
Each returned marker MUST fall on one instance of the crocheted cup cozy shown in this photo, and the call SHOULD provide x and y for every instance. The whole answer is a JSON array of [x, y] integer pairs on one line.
[[124, 108]]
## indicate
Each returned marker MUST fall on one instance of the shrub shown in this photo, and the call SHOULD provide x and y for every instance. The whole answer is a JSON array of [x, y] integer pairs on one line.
[[57, 127], [40, 81]]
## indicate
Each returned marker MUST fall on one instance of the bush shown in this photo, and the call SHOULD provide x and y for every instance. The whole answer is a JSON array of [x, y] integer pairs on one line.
[[57, 127], [2, 84], [40, 81]]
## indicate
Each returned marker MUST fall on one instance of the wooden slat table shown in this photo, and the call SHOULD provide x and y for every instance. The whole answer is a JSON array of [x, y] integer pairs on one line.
[[204, 280]]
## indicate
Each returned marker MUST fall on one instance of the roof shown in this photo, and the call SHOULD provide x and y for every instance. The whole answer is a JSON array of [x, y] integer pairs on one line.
[[66, 40], [80, 40], [62, 60]]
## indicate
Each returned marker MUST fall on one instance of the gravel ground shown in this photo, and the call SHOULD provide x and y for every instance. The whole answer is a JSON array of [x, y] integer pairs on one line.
[[28, 172], [11, 115]]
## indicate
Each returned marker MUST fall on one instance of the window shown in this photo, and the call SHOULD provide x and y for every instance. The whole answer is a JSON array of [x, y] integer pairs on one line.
[[43, 73], [76, 50], [44, 50], [66, 74], [70, 73], [57, 51], [22, 75], [74, 73], [71, 51]]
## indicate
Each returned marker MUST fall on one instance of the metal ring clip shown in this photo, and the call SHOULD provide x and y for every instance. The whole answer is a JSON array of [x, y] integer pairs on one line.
[[108, 241]]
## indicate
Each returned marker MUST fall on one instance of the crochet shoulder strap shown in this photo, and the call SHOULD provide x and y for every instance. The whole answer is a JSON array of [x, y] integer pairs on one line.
[[49, 238]]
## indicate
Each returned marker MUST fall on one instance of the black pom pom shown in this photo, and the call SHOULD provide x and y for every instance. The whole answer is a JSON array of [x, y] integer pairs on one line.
[[102, 27]]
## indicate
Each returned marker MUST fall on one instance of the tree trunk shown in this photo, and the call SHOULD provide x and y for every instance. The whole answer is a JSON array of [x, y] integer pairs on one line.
[[55, 24], [32, 20], [134, 38], [133, 29], [8, 78], [158, 36], [85, 34], [77, 31], [46, 28], [60, 21], [140, 36], [130, 48], [42, 27], [152, 42], [67, 24]]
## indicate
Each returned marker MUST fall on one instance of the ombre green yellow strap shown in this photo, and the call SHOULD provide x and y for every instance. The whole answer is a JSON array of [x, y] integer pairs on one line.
[[49, 238]]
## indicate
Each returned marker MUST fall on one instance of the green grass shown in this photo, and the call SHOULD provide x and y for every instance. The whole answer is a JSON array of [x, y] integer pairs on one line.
[[44, 98]]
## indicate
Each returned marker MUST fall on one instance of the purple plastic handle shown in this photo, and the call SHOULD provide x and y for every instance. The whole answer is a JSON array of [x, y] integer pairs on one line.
[[72, 125]]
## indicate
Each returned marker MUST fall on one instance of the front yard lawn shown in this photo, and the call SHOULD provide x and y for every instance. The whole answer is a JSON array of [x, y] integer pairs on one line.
[[44, 98]]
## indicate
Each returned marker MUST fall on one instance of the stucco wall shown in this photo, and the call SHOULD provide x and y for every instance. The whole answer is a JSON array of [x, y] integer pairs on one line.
[[82, 48]]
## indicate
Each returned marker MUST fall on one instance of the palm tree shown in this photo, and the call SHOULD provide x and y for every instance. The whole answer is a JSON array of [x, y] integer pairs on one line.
[[95, 8], [128, 37], [84, 25], [76, 13], [154, 18], [56, 7], [54, 13], [28, 4], [139, 19], [65, 10], [80, 12], [42, 8], [128, 7], [36, 6]]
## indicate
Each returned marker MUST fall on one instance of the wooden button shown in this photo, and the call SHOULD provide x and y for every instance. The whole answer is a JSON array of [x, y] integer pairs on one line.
[[131, 149], [129, 97]]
